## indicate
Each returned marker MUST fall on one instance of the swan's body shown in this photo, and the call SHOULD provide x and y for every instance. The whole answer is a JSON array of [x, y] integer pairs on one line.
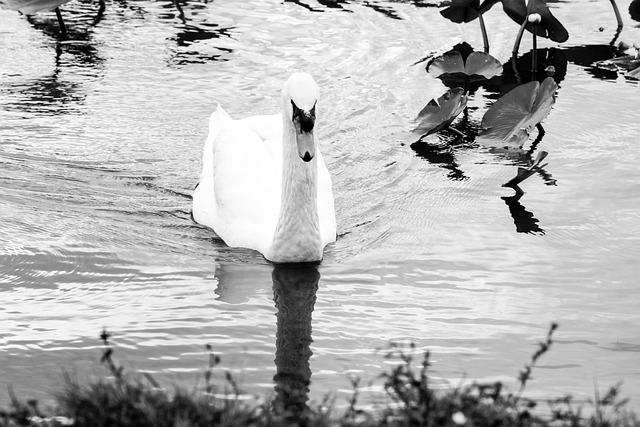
[[264, 184]]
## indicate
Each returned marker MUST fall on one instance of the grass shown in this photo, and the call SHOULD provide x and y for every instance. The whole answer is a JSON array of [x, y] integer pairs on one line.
[[133, 399]]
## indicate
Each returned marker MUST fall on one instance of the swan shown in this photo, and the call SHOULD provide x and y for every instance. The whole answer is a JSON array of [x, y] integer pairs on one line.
[[264, 184]]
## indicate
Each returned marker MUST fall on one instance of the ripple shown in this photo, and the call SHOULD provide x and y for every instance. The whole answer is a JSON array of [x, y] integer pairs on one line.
[[100, 149]]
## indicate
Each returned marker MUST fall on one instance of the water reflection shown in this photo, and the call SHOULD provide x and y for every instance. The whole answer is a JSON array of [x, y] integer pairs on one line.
[[60, 92], [189, 40], [440, 155], [294, 294], [78, 20], [550, 62], [384, 9], [524, 158], [587, 56], [523, 219], [450, 141], [193, 33]]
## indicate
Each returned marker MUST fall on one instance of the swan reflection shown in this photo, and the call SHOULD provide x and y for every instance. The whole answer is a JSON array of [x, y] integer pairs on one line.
[[294, 295]]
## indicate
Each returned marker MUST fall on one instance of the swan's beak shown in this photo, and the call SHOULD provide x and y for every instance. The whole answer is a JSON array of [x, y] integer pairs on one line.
[[304, 123]]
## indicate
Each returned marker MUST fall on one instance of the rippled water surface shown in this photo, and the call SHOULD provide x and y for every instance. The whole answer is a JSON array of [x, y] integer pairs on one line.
[[100, 148]]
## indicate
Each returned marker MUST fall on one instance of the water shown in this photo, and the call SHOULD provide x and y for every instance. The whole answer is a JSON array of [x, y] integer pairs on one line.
[[100, 148]]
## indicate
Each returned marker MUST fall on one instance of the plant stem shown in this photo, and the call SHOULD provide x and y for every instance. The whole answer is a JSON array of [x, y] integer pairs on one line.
[[516, 46], [456, 131], [534, 57], [483, 28], [617, 12], [100, 12], [63, 28]]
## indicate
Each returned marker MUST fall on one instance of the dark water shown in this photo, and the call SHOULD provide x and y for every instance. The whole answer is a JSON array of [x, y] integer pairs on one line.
[[100, 145]]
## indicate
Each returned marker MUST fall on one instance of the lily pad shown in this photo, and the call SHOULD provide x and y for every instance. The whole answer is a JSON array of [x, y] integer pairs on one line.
[[511, 119], [460, 11], [634, 10], [439, 114], [452, 68], [634, 73], [549, 27]]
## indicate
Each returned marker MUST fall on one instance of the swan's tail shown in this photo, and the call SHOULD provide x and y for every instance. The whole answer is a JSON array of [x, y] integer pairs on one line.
[[204, 207], [216, 121]]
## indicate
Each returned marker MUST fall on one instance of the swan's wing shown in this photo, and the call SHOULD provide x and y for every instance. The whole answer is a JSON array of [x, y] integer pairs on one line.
[[269, 129], [326, 209], [245, 185], [204, 206]]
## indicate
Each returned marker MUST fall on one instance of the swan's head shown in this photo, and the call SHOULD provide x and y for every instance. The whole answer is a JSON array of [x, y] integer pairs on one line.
[[300, 95]]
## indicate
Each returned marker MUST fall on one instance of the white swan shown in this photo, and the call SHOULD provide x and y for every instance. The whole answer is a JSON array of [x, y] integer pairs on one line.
[[264, 184]]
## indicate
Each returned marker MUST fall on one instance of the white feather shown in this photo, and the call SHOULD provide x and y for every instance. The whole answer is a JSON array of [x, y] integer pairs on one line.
[[240, 191]]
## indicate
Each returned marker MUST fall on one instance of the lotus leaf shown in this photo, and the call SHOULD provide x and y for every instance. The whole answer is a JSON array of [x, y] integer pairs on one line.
[[634, 10], [549, 27], [450, 67], [460, 11], [511, 119], [438, 115], [634, 73]]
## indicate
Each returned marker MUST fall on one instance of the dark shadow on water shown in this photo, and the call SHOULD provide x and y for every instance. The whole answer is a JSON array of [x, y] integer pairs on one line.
[[62, 91], [77, 61], [442, 147], [523, 219], [294, 295], [587, 56], [525, 158], [440, 155], [378, 6], [550, 62], [195, 37], [191, 37], [79, 18]]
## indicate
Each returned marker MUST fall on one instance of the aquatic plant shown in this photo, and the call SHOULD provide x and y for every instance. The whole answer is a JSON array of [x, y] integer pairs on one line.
[[524, 173], [460, 11], [461, 66], [127, 399], [511, 119], [439, 114]]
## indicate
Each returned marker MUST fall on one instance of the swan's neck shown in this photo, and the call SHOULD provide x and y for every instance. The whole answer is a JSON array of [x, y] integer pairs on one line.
[[297, 235]]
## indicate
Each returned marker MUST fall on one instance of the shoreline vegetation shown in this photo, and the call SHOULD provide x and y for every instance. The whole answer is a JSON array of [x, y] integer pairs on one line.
[[136, 399]]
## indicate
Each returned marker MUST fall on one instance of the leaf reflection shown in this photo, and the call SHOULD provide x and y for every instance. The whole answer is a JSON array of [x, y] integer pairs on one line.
[[551, 62], [523, 219], [441, 155], [294, 294]]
